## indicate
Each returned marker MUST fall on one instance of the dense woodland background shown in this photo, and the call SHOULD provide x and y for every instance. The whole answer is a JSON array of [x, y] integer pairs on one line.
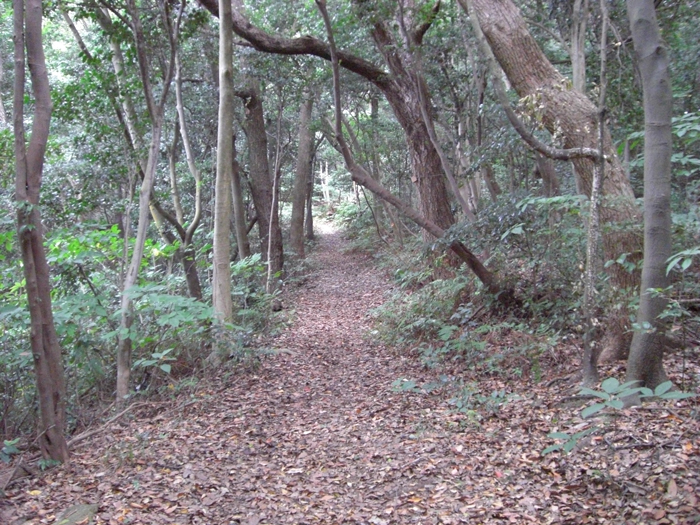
[[139, 91]]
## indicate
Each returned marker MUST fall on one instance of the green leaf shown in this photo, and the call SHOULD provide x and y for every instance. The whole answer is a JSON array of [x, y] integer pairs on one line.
[[593, 409], [610, 385], [165, 367], [616, 404], [677, 395], [559, 435], [551, 448], [569, 445], [663, 388], [591, 392]]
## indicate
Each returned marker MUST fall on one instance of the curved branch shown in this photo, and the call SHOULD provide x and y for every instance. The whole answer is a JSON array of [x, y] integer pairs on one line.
[[305, 45], [422, 29]]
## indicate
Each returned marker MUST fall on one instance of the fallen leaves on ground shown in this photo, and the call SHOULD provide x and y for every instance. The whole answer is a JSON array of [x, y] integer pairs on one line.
[[318, 435]]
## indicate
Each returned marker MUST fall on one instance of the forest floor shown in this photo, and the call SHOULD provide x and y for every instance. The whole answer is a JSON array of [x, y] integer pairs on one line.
[[319, 434]]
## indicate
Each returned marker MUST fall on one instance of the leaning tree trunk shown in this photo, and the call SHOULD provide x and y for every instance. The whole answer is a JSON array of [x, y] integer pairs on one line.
[[46, 351], [645, 360], [403, 92], [572, 115], [303, 172]]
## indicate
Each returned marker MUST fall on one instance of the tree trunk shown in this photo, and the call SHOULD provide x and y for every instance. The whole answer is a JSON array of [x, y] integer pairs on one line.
[[571, 114], [303, 172], [221, 280], [548, 174], [239, 209], [48, 365], [309, 222], [579, 21], [260, 177], [404, 96], [645, 360]]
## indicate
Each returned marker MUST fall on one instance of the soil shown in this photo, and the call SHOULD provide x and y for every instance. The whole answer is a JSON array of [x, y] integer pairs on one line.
[[329, 430]]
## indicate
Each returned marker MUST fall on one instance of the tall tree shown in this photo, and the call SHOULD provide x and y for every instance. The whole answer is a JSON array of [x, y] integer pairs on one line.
[[261, 180], [221, 280], [156, 114], [645, 360], [29, 165], [361, 176], [303, 173]]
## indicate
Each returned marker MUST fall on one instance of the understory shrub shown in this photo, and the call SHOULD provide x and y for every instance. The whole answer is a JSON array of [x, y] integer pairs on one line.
[[172, 334]]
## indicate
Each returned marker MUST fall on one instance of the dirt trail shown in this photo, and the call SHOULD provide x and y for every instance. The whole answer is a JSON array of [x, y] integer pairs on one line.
[[317, 435]]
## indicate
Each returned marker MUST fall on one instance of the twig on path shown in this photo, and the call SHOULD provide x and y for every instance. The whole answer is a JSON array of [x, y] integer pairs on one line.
[[82, 437]]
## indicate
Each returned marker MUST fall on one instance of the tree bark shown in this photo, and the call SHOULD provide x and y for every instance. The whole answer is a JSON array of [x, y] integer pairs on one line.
[[572, 115], [238, 205], [221, 280], [645, 360], [578, 44], [48, 365], [303, 172], [260, 177]]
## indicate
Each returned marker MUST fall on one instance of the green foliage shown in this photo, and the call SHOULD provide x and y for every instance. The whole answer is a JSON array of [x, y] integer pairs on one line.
[[8, 450], [469, 400], [612, 395], [682, 259], [568, 441], [158, 360]]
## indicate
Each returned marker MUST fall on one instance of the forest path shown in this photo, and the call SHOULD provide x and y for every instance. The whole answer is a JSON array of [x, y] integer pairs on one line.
[[318, 435], [321, 437]]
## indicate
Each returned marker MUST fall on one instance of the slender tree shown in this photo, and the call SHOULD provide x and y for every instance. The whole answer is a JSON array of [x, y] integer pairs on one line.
[[645, 360], [155, 110], [221, 280], [29, 165]]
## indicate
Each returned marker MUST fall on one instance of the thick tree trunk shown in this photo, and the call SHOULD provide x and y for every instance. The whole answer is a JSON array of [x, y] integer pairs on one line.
[[303, 172], [645, 360], [403, 93], [221, 280], [572, 115], [363, 178], [46, 352], [260, 177]]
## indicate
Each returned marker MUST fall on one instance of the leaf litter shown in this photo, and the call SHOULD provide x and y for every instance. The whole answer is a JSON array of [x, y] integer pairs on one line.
[[320, 434]]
